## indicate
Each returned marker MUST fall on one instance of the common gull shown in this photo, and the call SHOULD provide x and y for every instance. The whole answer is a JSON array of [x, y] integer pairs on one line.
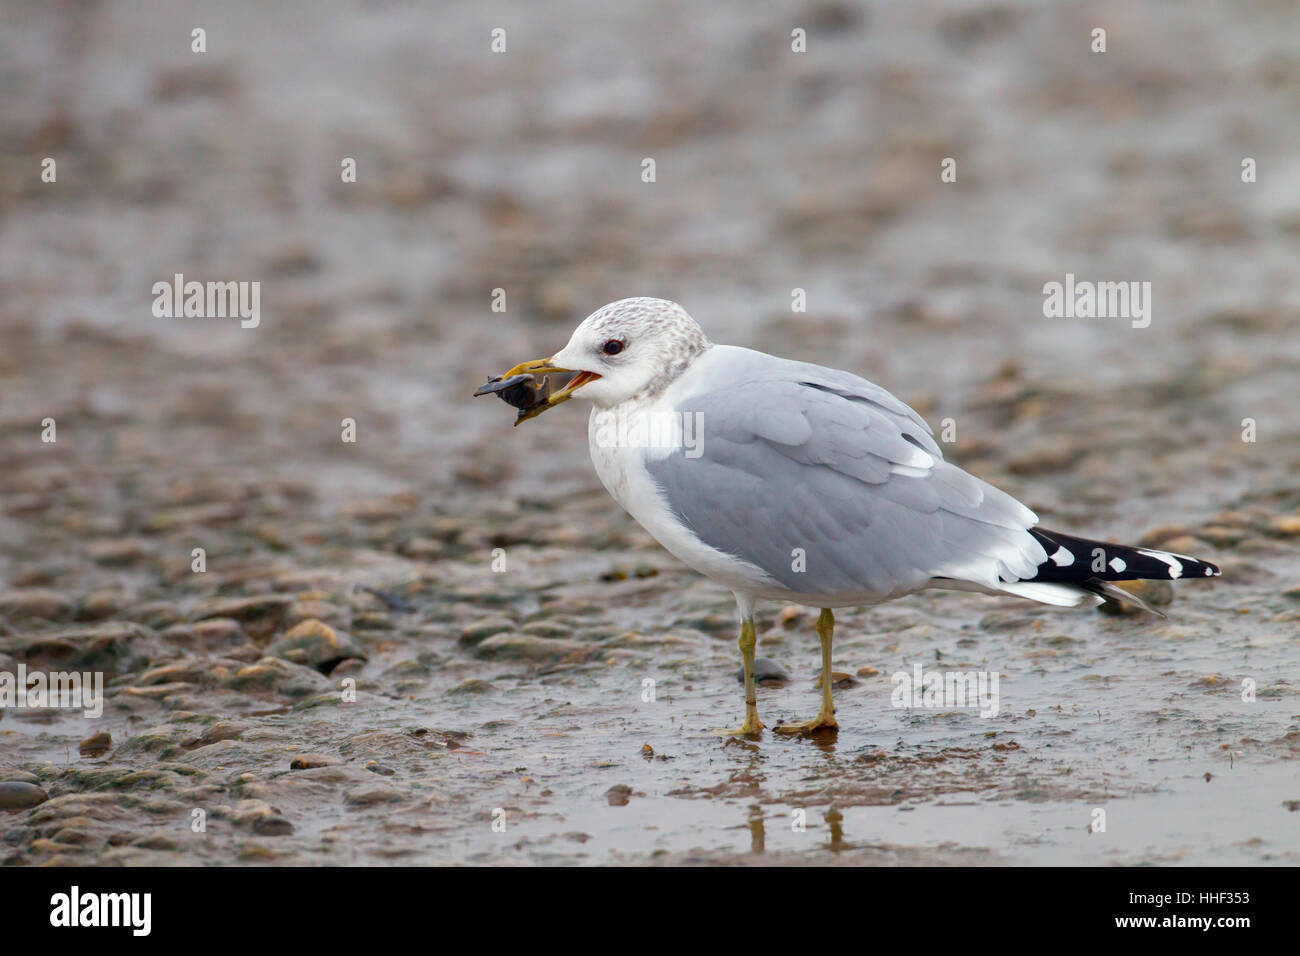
[[787, 481]]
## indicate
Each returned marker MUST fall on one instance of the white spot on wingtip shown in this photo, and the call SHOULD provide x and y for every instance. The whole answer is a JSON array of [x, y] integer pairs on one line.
[[1062, 558], [1117, 565], [1175, 566]]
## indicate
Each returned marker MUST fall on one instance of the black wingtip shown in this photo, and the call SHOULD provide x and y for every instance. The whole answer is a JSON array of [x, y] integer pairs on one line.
[[1071, 559]]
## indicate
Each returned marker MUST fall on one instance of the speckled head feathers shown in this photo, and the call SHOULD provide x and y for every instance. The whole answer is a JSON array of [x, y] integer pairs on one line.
[[656, 340]]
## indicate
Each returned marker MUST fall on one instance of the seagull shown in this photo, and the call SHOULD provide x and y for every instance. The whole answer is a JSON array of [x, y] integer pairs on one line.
[[788, 481]]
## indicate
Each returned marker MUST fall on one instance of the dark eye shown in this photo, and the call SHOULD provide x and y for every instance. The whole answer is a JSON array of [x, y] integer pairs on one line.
[[612, 347]]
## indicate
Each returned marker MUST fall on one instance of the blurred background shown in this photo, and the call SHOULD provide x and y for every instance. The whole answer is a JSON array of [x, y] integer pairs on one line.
[[521, 171]]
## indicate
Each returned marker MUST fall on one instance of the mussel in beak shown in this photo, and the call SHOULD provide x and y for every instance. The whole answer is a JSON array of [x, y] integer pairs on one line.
[[528, 393]]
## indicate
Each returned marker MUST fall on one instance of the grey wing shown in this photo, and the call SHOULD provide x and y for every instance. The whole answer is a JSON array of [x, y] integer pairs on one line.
[[840, 469]]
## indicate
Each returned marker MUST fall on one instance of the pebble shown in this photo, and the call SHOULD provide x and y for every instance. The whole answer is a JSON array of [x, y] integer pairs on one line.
[[791, 615], [319, 610], [484, 628], [1155, 593], [369, 796], [102, 604], [546, 629], [311, 761], [96, 745], [243, 609], [188, 671], [260, 817], [116, 552], [212, 635], [526, 647], [316, 644], [19, 795], [28, 604], [224, 730], [155, 614], [273, 673], [472, 685], [766, 671], [838, 679], [1286, 526], [110, 647]]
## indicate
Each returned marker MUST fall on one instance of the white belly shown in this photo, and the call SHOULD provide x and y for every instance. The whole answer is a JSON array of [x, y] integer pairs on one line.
[[622, 471]]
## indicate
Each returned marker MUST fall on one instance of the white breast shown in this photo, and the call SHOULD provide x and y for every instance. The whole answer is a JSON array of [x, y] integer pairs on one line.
[[622, 470]]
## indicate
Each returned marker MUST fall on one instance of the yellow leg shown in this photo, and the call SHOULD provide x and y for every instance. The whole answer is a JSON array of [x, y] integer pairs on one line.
[[748, 641], [825, 719]]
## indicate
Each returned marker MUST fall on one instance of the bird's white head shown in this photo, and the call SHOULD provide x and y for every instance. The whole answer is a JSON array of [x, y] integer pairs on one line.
[[632, 348], [636, 346]]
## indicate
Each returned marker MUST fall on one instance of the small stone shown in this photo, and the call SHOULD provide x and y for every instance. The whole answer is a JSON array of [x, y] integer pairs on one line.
[[109, 647], [102, 604], [546, 629], [224, 730], [485, 628], [1189, 545], [790, 615], [766, 671], [304, 610], [719, 624], [316, 644], [96, 745], [472, 686], [273, 673], [311, 761], [1286, 526], [155, 614], [1156, 537], [27, 604], [619, 795], [116, 552], [1217, 535], [1155, 593], [526, 647], [180, 672], [369, 796], [375, 767], [422, 549], [867, 671], [243, 609], [272, 826], [351, 666], [218, 513], [18, 795], [838, 679], [212, 635]]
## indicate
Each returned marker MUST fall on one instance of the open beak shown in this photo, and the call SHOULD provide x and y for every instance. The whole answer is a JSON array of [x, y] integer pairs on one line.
[[540, 367]]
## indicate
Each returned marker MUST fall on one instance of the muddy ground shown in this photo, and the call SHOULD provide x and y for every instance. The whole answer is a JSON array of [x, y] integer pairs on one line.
[[351, 682]]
